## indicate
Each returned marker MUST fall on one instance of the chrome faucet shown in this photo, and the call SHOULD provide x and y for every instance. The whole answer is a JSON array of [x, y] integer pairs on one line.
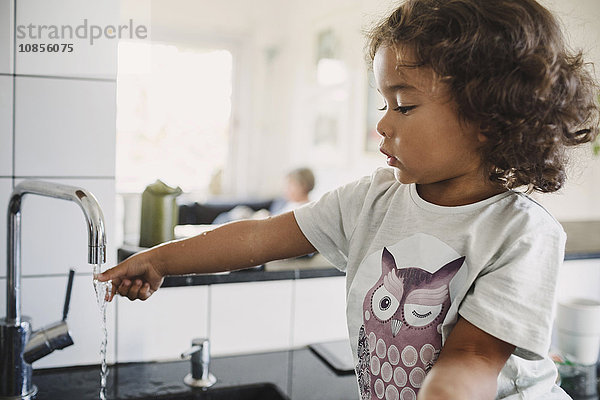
[[200, 375], [19, 346]]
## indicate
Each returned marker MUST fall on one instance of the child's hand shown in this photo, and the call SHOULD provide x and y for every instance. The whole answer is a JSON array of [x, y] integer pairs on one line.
[[135, 278]]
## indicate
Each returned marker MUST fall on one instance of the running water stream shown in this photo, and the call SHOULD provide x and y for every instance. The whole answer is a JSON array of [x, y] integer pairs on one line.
[[102, 290]]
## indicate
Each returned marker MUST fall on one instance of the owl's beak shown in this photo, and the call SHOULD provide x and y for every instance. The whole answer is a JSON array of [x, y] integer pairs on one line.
[[396, 325]]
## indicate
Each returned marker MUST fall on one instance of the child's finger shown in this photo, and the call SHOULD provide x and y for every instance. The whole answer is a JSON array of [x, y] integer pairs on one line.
[[145, 291], [124, 287], [134, 290], [113, 289], [113, 273]]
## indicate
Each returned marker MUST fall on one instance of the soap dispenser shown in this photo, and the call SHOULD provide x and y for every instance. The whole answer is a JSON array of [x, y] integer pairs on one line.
[[159, 214]]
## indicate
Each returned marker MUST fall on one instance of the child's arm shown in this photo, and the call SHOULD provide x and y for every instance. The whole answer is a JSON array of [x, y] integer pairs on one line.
[[468, 366], [233, 246]]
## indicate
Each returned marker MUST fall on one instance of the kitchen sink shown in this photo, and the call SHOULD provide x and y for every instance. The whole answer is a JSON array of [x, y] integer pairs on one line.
[[259, 391]]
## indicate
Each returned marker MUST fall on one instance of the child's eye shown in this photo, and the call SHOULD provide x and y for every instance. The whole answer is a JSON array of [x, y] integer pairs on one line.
[[404, 109], [400, 109]]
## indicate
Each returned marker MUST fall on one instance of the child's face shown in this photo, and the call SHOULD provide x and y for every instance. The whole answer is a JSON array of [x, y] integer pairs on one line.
[[421, 133], [294, 191]]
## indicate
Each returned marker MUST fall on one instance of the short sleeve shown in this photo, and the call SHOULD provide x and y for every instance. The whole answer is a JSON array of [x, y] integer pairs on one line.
[[514, 298], [328, 223]]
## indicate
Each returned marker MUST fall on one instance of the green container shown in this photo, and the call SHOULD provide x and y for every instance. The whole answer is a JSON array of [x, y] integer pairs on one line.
[[159, 214]]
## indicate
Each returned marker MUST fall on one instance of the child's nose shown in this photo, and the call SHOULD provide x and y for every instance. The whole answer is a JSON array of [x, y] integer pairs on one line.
[[382, 128]]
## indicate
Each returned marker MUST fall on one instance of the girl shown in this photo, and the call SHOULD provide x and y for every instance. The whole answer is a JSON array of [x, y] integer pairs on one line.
[[451, 272]]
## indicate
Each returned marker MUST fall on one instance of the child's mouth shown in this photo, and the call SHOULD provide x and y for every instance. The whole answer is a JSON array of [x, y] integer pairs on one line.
[[391, 160]]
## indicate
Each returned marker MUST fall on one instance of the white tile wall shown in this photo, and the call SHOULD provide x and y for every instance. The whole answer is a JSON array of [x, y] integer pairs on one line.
[[6, 118], [163, 326], [5, 191], [250, 317], [64, 127], [320, 310], [66, 133], [6, 35], [43, 300], [97, 60], [54, 232]]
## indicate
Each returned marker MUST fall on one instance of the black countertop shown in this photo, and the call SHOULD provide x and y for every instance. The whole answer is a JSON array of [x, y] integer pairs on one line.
[[298, 373]]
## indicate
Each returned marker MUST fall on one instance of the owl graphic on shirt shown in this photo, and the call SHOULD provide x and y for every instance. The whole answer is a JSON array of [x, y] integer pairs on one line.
[[400, 338]]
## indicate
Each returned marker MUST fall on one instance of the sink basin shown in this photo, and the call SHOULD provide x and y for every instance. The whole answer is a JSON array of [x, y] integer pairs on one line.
[[259, 391]]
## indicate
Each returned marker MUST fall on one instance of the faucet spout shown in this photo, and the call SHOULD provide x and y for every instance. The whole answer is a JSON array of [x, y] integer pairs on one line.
[[95, 226]]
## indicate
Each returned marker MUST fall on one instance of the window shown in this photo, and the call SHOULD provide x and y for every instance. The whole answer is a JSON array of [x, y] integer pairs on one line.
[[173, 115]]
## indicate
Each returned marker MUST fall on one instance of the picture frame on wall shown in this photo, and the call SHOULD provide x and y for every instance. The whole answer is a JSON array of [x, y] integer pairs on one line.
[[328, 100], [326, 45], [326, 126]]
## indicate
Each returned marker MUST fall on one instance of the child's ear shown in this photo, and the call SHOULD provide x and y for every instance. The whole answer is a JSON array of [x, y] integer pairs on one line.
[[486, 129], [481, 135]]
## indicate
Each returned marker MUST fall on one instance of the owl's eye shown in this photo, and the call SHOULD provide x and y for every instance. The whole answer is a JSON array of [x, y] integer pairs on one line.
[[421, 315], [383, 304], [422, 306]]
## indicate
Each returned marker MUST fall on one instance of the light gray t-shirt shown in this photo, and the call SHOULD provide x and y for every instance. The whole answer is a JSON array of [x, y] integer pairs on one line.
[[412, 267]]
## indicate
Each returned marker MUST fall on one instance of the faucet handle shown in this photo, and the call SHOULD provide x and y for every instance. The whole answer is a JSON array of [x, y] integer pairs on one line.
[[68, 297], [44, 341], [55, 336], [191, 351], [201, 345]]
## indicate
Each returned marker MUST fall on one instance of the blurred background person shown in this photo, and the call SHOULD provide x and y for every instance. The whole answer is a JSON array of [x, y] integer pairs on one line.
[[298, 185]]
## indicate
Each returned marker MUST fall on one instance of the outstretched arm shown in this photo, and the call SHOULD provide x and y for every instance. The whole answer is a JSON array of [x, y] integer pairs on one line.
[[468, 366], [232, 246]]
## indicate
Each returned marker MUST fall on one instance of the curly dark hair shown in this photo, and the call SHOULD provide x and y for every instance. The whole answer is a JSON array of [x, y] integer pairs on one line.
[[508, 69]]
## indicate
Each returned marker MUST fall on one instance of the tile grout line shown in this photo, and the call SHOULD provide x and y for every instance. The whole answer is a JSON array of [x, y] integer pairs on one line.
[[107, 177], [292, 315], [14, 88], [58, 275], [291, 339], [209, 303], [72, 78]]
